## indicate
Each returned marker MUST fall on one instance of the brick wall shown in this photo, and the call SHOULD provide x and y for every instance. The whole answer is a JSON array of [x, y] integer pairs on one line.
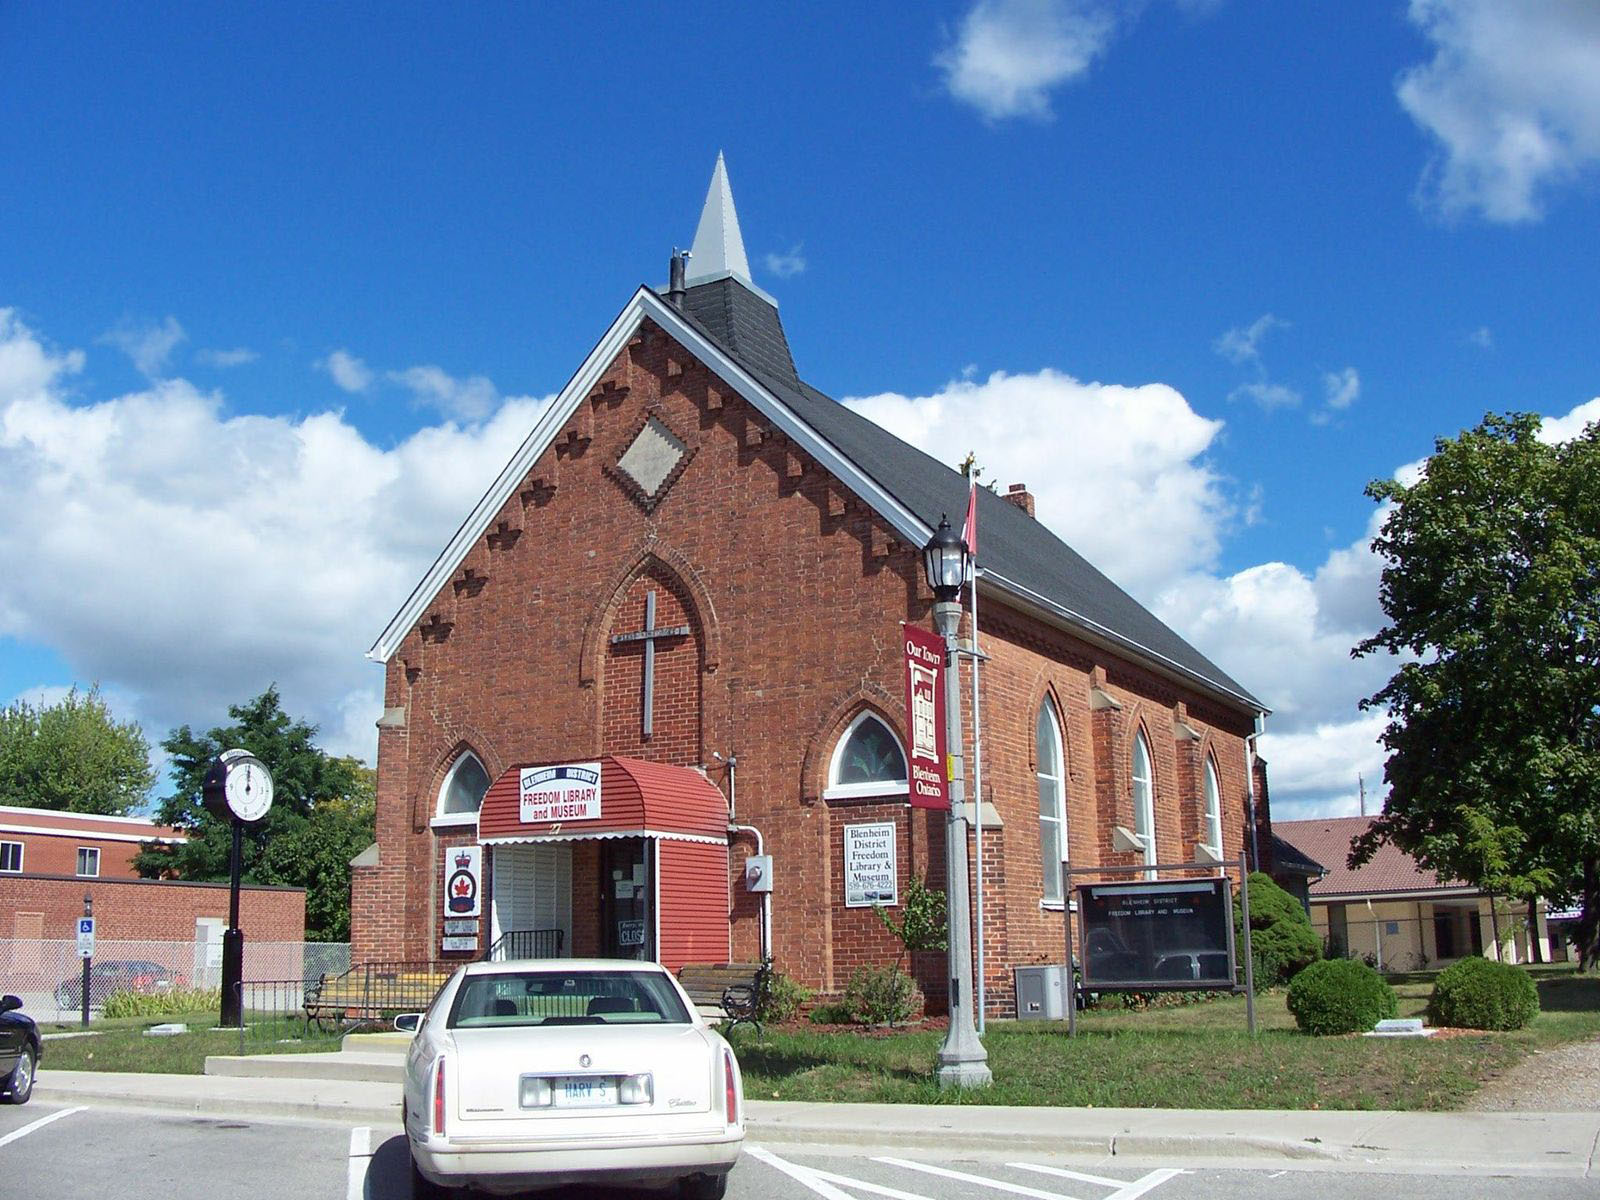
[[147, 909], [793, 591]]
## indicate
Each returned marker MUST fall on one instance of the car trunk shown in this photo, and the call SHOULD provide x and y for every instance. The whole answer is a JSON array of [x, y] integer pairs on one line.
[[490, 1065]]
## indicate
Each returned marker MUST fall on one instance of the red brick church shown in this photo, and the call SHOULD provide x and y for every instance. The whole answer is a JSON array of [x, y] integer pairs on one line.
[[667, 640]]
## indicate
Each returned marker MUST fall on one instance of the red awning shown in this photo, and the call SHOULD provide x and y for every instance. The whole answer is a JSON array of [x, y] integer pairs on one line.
[[637, 799]]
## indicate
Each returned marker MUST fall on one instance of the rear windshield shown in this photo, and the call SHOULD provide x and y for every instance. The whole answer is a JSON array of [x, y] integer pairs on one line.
[[619, 997]]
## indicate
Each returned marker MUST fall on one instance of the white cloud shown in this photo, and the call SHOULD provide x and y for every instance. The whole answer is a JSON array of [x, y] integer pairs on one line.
[[1266, 396], [1564, 429], [1340, 389], [226, 358], [189, 559], [788, 264], [348, 371], [1009, 55], [1139, 451], [1120, 474], [470, 399], [148, 346], [1242, 344], [1482, 337], [1512, 99]]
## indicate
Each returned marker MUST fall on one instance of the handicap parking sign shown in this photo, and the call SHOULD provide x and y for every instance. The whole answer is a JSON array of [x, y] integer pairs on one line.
[[85, 937]]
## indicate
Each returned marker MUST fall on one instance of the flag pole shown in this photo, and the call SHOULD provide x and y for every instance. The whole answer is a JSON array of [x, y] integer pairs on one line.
[[970, 535]]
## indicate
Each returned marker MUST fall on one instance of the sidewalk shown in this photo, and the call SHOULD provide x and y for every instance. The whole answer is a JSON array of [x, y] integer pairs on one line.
[[1558, 1144]]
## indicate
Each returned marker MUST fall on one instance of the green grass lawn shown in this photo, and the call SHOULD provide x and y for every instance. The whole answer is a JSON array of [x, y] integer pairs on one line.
[[1191, 1056], [1194, 1056], [120, 1044]]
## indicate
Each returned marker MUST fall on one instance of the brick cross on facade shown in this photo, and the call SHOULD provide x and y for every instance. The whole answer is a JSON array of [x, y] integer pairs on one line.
[[649, 635]]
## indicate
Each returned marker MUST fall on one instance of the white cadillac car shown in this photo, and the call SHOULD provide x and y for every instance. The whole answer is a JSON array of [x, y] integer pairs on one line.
[[538, 1073]]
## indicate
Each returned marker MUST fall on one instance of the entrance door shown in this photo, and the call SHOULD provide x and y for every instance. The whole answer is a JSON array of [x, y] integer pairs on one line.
[[627, 888], [532, 895]]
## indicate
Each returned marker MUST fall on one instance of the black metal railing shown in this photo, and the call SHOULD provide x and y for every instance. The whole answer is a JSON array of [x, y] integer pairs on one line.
[[527, 943], [275, 1018]]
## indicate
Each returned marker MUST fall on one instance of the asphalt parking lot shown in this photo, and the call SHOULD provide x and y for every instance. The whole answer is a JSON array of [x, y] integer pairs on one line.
[[56, 1153]]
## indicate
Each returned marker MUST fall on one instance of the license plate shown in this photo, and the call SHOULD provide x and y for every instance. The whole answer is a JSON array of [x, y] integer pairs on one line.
[[585, 1092]]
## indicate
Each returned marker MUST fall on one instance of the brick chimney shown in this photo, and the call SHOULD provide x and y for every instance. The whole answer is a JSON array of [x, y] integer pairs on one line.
[[1019, 495]]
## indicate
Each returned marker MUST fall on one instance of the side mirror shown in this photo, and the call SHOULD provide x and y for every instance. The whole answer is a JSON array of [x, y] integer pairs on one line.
[[408, 1022], [10, 1003]]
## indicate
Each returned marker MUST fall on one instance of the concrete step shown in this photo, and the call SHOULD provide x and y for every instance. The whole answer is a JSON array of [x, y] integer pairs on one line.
[[378, 1043], [356, 1066]]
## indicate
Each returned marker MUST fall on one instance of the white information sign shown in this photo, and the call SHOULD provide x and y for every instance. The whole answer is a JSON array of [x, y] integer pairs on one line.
[[85, 937], [870, 875], [463, 873], [569, 793], [453, 944], [454, 927]]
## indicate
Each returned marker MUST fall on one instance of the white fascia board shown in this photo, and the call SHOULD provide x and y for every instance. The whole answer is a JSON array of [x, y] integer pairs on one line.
[[1064, 617], [644, 304], [538, 440]]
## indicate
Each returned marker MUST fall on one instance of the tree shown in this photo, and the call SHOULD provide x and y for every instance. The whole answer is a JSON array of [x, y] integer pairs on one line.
[[73, 756], [322, 813], [1492, 592]]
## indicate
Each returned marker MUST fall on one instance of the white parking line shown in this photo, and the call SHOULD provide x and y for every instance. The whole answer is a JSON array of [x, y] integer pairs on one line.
[[355, 1187], [999, 1185], [39, 1124], [795, 1171], [1125, 1191]]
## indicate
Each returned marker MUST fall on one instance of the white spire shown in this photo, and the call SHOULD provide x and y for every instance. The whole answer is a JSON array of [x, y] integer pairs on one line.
[[718, 246]]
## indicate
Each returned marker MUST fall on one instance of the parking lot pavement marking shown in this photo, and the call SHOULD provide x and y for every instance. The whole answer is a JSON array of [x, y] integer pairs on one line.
[[1125, 1191], [355, 1186], [802, 1175], [1063, 1173], [998, 1185], [39, 1124]]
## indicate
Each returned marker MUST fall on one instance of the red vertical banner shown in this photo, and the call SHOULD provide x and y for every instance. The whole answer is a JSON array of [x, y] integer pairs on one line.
[[925, 717]]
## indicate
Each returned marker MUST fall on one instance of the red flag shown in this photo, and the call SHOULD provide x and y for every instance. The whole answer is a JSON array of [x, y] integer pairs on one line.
[[969, 527]]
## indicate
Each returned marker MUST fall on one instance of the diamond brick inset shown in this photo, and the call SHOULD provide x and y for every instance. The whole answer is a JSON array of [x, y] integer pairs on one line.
[[650, 459]]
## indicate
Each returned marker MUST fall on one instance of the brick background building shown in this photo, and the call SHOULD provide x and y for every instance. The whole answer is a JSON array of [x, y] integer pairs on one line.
[[777, 537], [43, 841]]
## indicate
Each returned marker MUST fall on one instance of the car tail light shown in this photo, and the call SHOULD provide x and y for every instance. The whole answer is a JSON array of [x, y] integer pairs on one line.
[[731, 1083], [438, 1098], [635, 1089], [536, 1092]]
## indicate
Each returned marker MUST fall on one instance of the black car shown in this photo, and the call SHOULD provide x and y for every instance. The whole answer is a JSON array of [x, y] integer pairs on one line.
[[19, 1051]]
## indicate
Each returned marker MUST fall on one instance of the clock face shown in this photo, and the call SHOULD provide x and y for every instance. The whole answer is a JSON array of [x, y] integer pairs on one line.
[[248, 789]]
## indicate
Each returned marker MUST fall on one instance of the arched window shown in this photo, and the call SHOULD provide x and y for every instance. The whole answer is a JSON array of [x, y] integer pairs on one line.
[[1213, 811], [1144, 798], [461, 793], [1047, 759], [868, 761]]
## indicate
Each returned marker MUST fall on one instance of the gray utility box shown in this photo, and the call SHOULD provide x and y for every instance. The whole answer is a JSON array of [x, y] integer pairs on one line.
[[1041, 993]]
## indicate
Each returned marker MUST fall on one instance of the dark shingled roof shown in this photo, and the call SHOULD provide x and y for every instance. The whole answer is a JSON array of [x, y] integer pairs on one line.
[[1290, 858], [1390, 871], [1012, 544]]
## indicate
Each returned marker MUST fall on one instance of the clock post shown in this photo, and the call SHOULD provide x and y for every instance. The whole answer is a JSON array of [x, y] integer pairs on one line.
[[238, 784]]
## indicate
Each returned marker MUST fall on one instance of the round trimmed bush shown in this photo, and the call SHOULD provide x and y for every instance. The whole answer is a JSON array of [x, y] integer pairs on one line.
[[1282, 940], [1340, 995], [1477, 993]]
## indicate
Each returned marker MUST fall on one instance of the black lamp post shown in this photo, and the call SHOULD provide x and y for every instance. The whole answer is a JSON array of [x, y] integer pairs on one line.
[[963, 1062]]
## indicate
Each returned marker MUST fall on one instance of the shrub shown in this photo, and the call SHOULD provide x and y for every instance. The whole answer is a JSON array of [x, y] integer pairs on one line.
[[782, 1000], [880, 996], [161, 1004], [1282, 941], [1340, 995], [1476, 993]]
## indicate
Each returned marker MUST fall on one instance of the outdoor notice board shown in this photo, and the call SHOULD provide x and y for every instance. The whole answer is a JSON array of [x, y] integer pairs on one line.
[[1156, 935]]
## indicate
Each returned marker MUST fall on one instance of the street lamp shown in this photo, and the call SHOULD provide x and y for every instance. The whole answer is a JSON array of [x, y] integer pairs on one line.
[[963, 1062]]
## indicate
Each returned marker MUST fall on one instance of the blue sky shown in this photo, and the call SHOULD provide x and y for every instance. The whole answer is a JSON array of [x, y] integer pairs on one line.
[[285, 285]]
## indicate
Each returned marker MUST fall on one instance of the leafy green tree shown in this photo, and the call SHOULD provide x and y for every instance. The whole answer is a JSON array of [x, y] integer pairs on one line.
[[73, 756], [1492, 592], [321, 817]]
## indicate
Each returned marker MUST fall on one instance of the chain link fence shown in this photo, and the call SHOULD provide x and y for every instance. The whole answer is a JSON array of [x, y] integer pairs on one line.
[[48, 973], [1403, 944]]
